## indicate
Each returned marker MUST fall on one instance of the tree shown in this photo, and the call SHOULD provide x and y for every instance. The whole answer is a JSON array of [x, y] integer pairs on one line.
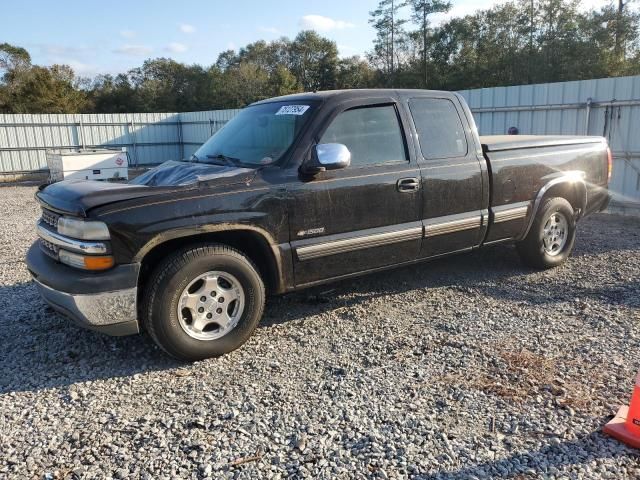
[[282, 82], [521, 41], [43, 90], [314, 61], [421, 9], [226, 59], [621, 30], [603, 30], [165, 85], [13, 58], [111, 94], [389, 28], [354, 72], [267, 55], [12, 61], [515, 42]]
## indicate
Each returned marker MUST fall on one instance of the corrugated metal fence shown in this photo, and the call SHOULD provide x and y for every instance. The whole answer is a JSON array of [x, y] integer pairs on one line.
[[607, 107], [149, 137]]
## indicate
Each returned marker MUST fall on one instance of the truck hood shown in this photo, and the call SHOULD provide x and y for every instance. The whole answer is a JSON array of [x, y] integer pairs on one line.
[[77, 197]]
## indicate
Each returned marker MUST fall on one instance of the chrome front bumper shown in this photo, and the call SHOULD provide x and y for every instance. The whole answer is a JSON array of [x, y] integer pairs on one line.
[[113, 313]]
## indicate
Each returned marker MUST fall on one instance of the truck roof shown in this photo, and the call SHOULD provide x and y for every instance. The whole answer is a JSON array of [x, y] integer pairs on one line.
[[324, 95]]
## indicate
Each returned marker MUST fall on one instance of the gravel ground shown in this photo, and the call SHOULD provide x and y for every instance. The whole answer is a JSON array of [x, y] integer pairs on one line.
[[468, 367]]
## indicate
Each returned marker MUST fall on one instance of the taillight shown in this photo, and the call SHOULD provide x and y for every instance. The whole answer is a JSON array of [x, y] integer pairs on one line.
[[609, 164]]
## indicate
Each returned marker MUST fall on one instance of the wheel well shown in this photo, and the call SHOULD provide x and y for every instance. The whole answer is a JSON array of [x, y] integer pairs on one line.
[[566, 190], [252, 244]]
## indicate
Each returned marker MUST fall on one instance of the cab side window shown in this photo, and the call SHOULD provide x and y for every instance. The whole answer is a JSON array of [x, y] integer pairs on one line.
[[440, 130], [372, 134]]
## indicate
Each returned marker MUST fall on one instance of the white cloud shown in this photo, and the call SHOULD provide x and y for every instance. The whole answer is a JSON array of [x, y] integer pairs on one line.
[[54, 49], [134, 50], [127, 33], [175, 47], [323, 24], [186, 28], [271, 30]]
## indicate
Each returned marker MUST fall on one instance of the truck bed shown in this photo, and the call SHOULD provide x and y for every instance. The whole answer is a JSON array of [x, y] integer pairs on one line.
[[496, 143]]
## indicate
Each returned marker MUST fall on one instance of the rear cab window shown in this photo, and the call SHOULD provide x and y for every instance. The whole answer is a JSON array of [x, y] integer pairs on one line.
[[439, 127]]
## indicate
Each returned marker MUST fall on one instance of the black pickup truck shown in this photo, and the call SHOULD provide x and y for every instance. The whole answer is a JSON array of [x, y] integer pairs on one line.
[[300, 190]]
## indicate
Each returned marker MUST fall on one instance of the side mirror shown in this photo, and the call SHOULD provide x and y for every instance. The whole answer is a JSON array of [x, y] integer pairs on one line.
[[328, 156]]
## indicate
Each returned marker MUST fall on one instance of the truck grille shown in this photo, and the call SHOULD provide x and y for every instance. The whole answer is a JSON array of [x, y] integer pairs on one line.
[[49, 248], [50, 218]]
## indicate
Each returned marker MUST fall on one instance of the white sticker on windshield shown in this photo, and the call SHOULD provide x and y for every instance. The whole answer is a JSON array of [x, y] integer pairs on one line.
[[292, 110]]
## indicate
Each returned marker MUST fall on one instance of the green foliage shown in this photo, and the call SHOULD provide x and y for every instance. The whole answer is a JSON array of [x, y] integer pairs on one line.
[[314, 61], [35, 89], [391, 38], [420, 12], [12, 58], [354, 72], [515, 42]]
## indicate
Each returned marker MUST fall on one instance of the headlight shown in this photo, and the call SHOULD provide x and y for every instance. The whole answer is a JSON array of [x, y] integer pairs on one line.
[[84, 230], [86, 262]]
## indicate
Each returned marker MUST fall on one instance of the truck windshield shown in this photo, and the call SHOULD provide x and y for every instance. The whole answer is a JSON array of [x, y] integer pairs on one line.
[[258, 135]]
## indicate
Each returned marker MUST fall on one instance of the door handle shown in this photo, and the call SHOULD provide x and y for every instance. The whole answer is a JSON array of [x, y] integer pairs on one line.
[[406, 185]]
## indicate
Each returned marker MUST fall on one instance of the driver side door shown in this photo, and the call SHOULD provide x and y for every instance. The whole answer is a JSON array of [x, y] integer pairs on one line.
[[363, 217]]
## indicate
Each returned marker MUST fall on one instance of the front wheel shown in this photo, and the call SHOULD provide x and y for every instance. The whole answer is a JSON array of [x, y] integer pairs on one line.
[[203, 302], [551, 237]]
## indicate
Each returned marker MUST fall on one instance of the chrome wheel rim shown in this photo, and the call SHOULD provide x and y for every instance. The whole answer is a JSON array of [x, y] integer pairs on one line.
[[555, 234], [211, 305]]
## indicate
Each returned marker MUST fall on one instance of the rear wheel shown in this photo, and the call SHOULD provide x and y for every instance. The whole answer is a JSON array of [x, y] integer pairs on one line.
[[551, 237], [203, 302]]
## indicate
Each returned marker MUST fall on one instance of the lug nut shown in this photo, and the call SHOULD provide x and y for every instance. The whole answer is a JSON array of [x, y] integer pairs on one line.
[[209, 315], [221, 300], [203, 299], [219, 311], [200, 310], [213, 294]]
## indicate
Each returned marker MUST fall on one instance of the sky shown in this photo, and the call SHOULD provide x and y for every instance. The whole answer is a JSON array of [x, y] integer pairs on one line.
[[117, 35]]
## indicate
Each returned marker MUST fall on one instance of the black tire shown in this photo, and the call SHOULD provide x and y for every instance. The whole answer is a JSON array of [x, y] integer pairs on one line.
[[171, 277], [532, 249]]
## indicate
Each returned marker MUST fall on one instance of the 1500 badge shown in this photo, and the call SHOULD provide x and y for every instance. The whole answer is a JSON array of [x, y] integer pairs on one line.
[[311, 231]]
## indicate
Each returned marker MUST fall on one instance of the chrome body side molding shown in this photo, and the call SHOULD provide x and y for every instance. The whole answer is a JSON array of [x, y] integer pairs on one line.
[[511, 211], [454, 223], [334, 247], [398, 234]]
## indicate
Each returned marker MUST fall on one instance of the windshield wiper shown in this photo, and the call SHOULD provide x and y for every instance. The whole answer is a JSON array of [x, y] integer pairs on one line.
[[234, 162]]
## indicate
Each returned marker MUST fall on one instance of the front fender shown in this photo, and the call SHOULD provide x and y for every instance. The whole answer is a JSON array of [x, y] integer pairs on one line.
[[193, 232]]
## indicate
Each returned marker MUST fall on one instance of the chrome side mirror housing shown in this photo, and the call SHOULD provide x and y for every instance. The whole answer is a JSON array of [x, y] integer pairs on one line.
[[333, 156], [328, 156]]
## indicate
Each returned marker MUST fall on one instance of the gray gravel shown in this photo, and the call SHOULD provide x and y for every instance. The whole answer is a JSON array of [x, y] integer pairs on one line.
[[469, 367]]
